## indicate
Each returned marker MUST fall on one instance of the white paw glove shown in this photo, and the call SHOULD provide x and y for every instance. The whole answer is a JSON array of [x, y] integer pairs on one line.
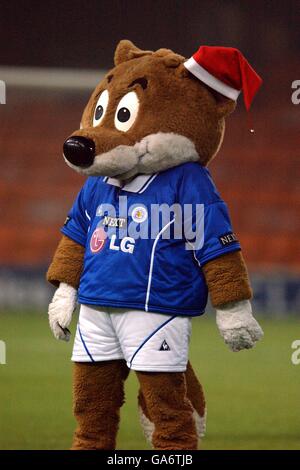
[[61, 309], [238, 327]]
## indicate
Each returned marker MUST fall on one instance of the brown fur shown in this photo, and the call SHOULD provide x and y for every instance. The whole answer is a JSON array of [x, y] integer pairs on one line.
[[174, 101], [67, 263], [98, 394], [195, 391], [227, 279], [126, 50], [169, 409]]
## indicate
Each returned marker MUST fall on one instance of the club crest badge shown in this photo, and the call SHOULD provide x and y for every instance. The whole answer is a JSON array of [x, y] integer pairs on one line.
[[139, 214]]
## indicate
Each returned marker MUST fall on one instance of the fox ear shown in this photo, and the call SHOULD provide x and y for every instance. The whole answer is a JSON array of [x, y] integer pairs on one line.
[[126, 50], [169, 57]]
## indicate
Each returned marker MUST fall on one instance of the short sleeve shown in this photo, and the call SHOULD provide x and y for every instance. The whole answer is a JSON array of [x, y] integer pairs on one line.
[[219, 237], [210, 233], [78, 219]]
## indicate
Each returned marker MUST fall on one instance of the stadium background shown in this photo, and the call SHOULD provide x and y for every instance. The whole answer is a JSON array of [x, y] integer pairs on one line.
[[52, 55]]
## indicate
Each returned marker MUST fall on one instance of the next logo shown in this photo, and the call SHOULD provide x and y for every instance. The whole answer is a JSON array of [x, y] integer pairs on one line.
[[228, 238]]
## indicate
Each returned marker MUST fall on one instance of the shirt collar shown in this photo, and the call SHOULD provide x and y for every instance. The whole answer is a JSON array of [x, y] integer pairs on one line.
[[138, 185]]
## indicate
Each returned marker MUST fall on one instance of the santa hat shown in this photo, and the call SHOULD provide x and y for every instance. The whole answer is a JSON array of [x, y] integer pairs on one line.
[[226, 70]]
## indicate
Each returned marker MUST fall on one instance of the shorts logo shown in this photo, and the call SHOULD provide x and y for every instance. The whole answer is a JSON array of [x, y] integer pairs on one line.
[[97, 240], [164, 346], [139, 214]]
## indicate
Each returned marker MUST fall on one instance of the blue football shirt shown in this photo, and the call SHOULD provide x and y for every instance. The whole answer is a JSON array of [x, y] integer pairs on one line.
[[146, 242]]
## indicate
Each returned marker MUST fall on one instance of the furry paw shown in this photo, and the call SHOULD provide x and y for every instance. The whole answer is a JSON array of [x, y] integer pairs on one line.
[[237, 326], [61, 309]]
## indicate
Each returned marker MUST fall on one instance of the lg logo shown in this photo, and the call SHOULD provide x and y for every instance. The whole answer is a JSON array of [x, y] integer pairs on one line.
[[98, 240], [126, 245]]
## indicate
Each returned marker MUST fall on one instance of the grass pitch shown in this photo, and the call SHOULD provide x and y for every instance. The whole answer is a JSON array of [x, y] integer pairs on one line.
[[253, 396]]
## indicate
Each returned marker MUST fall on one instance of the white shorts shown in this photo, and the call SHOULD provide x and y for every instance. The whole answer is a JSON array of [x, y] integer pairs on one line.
[[147, 341]]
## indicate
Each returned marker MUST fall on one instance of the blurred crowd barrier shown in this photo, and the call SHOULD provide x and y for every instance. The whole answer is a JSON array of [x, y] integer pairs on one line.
[[257, 175]]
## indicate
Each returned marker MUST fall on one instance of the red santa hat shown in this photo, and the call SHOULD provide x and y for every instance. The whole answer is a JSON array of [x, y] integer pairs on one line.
[[226, 70]]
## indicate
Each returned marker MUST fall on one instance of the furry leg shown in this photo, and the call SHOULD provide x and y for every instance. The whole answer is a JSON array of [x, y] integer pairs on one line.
[[196, 396], [98, 394], [164, 396]]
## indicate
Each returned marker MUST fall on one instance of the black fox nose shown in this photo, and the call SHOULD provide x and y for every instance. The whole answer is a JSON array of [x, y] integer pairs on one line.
[[79, 151]]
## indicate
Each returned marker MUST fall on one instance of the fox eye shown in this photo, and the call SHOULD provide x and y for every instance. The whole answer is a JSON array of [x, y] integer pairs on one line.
[[127, 111], [100, 108]]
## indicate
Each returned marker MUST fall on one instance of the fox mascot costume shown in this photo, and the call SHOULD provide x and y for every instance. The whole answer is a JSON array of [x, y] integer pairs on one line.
[[147, 134]]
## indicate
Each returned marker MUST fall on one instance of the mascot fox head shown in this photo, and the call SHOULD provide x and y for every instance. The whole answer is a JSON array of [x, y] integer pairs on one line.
[[148, 114]]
